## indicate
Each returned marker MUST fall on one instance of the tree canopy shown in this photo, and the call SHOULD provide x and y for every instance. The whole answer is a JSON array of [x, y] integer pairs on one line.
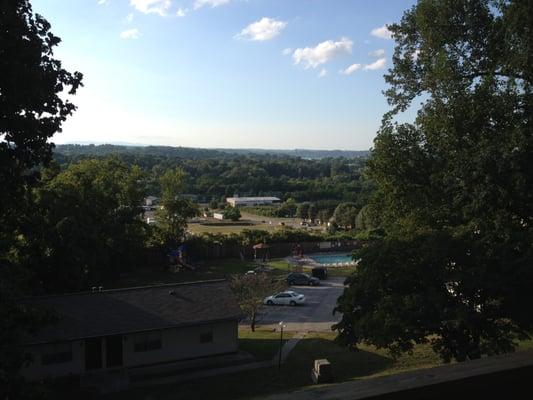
[[33, 106], [453, 187]]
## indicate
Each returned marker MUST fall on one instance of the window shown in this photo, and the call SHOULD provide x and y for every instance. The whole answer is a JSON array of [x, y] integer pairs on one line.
[[206, 337], [57, 353], [148, 341]]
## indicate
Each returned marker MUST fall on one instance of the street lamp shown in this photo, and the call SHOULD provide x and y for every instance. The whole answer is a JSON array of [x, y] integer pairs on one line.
[[281, 326]]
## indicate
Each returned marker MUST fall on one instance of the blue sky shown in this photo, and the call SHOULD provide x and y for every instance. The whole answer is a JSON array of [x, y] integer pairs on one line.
[[226, 73]]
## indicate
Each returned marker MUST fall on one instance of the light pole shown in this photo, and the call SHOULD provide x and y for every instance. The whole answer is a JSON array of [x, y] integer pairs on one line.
[[281, 326]]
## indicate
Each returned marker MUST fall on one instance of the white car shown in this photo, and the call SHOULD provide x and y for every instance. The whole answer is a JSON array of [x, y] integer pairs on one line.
[[285, 298]]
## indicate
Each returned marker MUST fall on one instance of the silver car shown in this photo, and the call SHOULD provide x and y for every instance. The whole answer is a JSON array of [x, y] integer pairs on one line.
[[285, 298]]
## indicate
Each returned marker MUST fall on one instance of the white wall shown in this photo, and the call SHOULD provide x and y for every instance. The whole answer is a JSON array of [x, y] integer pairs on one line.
[[184, 343]]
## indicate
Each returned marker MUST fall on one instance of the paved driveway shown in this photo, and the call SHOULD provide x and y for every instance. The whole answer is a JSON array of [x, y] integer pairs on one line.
[[314, 315]]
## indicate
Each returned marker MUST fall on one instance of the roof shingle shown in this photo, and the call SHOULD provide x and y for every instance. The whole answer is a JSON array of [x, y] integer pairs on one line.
[[109, 312]]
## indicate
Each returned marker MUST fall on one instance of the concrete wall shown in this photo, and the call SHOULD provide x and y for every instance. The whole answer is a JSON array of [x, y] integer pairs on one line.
[[176, 344]]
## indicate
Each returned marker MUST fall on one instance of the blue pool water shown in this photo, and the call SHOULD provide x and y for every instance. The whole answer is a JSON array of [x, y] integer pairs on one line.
[[331, 258]]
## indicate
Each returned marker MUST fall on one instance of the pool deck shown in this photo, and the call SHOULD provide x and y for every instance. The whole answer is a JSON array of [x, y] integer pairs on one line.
[[308, 262]]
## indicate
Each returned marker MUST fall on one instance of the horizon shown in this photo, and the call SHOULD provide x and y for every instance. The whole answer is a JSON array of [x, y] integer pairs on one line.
[[226, 74], [126, 144]]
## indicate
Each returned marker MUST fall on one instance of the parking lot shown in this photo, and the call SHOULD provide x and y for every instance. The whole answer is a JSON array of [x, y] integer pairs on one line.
[[314, 315]]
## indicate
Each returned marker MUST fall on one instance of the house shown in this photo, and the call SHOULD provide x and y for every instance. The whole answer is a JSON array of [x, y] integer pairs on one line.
[[121, 328], [252, 201]]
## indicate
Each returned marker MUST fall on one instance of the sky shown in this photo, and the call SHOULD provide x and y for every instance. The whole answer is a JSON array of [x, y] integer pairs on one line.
[[276, 74]]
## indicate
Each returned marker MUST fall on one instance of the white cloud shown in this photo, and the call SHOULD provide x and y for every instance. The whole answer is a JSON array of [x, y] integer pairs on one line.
[[382, 32], [160, 7], [286, 51], [129, 17], [264, 29], [312, 57], [130, 34], [323, 73], [100, 2], [378, 64], [213, 3], [351, 69], [182, 12], [378, 53]]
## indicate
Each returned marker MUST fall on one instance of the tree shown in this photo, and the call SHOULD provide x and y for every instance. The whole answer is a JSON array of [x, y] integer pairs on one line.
[[31, 112], [324, 215], [251, 290], [345, 215], [88, 227], [31, 108], [312, 212], [453, 188], [175, 210], [287, 209], [367, 218], [232, 213], [302, 211]]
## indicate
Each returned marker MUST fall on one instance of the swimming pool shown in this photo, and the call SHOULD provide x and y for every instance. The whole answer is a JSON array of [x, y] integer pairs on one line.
[[332, 258]]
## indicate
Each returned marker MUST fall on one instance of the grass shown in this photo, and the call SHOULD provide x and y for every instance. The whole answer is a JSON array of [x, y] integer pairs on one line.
[[212, 269], [248, 221], [295, 373], [262, 344]]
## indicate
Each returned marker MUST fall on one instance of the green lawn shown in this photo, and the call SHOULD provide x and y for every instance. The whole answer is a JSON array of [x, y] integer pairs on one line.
[[262, 344], [212, 269], [248, 221], [295, 373]]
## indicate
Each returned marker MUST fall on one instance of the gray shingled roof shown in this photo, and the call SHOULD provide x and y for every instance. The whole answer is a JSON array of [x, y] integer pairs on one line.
[[108, 312]]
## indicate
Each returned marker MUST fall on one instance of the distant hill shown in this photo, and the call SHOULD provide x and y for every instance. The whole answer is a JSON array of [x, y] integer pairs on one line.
[[303, 153], [199, 153]]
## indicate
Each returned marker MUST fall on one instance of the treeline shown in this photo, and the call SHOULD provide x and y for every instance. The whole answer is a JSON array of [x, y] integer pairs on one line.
[[192, 152], [212, 174]]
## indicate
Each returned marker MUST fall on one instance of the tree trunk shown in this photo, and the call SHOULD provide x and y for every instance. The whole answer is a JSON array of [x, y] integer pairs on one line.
[[252, 324]]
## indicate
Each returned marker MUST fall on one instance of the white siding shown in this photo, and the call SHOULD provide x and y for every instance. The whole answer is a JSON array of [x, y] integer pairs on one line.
[[184, 343]]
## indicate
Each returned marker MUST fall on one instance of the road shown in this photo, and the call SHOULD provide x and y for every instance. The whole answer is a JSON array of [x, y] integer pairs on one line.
[[314, 315]]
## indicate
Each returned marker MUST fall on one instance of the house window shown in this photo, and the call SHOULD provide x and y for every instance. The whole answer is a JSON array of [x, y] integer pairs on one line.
[[148, 341], [206, 337], [57, 353]]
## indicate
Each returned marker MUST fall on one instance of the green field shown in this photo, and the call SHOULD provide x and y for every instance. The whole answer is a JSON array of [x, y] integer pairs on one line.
[[211, 269], [248, 221]]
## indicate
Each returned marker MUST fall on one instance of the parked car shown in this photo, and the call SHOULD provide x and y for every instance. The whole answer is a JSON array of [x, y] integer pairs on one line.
[[285, 298], [320, 272], [298, 278]]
